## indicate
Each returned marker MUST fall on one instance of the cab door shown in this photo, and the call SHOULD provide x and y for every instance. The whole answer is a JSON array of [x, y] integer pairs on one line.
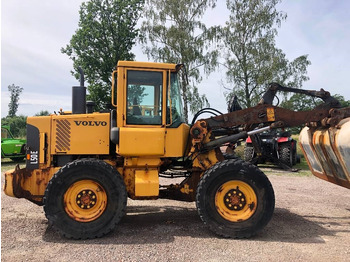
[[142, 132]]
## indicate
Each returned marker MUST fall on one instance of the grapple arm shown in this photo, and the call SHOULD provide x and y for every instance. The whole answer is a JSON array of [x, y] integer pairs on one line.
[[274, 87], [327, 114]]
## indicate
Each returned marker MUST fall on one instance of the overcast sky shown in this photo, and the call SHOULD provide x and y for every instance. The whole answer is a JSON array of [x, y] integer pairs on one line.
[[33, 32]]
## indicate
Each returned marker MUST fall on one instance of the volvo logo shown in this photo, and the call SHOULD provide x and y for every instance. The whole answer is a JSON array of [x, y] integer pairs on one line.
[[90, 123]]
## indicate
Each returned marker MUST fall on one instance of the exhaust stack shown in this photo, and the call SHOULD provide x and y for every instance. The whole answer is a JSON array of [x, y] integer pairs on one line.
[[79, 96]]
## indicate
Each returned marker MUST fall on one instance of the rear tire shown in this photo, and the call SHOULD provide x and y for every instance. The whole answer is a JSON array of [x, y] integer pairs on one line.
[[235, 199], [85, 199]]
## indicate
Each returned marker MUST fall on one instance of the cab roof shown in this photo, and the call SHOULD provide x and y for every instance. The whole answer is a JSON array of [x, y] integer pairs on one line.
[[150, 65]]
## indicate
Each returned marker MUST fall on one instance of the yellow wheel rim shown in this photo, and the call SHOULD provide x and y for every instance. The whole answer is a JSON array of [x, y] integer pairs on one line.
[[235, 201], [85, 200]]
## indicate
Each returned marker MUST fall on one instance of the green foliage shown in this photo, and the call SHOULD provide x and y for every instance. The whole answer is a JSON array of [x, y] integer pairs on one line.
[[43, 113], [17, 125], [252, 59], [106, 34], [15, 91], [176, 35]]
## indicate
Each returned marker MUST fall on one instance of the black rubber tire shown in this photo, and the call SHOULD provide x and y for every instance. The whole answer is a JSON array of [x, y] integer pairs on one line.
[[230, 156], [222, 172], [91, 169], [286, 154], [248, 153]]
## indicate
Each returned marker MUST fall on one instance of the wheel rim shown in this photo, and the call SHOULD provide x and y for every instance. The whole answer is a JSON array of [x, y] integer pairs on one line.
[[85, 200], [235, 201]]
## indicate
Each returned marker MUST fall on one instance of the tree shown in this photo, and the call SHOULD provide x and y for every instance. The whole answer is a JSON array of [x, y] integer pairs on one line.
[[15, 91], [106, 34], [176, 35], [301, 102], [252, 59]]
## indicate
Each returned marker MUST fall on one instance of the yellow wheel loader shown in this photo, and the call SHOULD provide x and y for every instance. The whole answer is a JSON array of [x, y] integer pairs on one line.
[[83, 165]]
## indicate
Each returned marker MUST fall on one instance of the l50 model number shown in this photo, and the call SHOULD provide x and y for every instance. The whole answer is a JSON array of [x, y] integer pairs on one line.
[[33, 157]]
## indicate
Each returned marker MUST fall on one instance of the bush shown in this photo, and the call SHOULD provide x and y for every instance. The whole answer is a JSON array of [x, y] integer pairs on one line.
[[17, 125]]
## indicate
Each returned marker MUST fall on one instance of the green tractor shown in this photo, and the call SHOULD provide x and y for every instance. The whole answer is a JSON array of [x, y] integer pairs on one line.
[[11, 147]]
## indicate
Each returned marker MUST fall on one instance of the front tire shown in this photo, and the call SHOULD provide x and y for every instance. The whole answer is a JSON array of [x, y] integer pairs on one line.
[[235, 199], [85, 199]]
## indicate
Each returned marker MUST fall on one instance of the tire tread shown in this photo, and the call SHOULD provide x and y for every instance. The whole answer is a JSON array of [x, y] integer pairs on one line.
[[57, 180]]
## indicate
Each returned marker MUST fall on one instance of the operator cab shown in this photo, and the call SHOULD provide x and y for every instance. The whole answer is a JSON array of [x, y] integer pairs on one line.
[[148, 104]]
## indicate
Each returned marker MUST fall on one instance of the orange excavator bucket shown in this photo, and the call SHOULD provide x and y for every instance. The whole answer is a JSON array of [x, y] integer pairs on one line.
[[327, 151]]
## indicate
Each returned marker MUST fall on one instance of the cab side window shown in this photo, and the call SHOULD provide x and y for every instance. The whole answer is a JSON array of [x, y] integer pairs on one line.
[[144, 97]]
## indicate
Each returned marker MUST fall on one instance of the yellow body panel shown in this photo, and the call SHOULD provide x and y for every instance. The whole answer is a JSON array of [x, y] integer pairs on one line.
[[43, 123], [176, 140], [80, 134], [141, 141], [141, 177], [29, 184], [146, 183], [153, 141]]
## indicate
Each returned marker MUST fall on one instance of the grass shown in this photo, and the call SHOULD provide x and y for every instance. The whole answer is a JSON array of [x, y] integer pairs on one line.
[[273, 170]]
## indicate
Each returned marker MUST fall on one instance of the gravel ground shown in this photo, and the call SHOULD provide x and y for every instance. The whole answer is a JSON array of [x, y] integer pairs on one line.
[[311, 223]]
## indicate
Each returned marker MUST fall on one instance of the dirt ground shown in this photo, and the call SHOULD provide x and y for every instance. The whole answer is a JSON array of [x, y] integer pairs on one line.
[[311, 223]]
